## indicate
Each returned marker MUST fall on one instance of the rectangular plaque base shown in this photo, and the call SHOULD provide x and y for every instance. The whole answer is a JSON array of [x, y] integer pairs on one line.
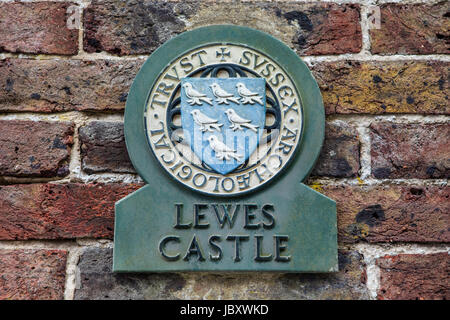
[[167, 229]]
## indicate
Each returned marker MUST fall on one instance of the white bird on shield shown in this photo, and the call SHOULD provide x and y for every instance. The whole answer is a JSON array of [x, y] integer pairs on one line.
[[206, 123], [194, 96], [221, 150], [247, 95], [223, 96], [238, 122]]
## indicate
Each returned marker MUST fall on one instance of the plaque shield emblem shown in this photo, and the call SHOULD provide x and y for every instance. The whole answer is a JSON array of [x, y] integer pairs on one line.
[[223, 119]]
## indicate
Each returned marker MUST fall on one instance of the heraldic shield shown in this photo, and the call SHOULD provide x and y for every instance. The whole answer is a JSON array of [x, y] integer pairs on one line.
[[223, 119]]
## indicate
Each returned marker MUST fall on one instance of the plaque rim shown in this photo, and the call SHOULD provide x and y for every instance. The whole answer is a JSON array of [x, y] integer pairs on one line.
[[313, 125]]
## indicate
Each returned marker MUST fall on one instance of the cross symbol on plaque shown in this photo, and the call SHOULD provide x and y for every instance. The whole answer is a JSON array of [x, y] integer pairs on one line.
[[223, 54]]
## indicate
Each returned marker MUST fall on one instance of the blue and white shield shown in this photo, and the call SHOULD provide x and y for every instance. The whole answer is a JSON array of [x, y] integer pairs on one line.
[[223, 119]]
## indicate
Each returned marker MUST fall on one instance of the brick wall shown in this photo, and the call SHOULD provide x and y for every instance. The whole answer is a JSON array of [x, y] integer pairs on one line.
[[63, 162]]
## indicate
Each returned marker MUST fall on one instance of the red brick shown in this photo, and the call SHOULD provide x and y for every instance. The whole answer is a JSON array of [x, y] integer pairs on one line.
[[377, 87], [38, 27], [32, 274], [132, 27], [414, 277], [65, 85], [325, 28], [391, 213], [412, 29], [103, 148], [139, 27], [35, 148], [340, 152], [410, 150], [59, 211], [98, 282]]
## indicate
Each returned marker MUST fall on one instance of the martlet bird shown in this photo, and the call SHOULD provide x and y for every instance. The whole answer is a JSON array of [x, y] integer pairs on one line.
[[223, 96], [247, 95], [238, 122], [205, 122], [221, 150], [194, 96]]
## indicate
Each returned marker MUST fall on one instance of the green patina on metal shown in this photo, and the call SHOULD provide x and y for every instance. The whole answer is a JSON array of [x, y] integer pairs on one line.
[[282, 213]]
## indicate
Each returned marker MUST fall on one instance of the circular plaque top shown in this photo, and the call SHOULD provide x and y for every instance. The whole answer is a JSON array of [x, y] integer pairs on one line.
[[223, 110]]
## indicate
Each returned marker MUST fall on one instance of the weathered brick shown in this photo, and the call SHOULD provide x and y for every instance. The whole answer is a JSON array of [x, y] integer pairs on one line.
[[32, 274], [59, 211], [103, 148], [414, 277], [340, 152], [64, 85], [391, 213], [139, 27], [347, 284], [132, 27], [96, 281], [35, 148], [412, 29], [38, 27], [410, 150], [377, 87], [325, 28]]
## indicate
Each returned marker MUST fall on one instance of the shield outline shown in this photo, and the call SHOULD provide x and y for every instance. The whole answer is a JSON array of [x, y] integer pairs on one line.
[[243, 142]]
